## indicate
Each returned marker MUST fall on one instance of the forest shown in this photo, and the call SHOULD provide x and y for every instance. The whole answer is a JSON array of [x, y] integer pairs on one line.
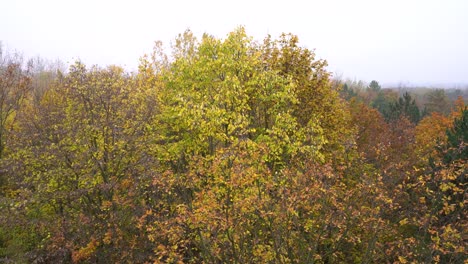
[[227, 150]]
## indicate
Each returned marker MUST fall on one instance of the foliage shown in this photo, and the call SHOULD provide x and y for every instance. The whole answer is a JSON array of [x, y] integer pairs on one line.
[[437, 101], [457, 138], [429, 132], [226, 151], [313, 88], [374, 86], [15, 84], [80, 160], [405, 106]]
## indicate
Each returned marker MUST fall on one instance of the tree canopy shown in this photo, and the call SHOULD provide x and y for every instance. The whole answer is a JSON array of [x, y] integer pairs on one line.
[[225, 150]]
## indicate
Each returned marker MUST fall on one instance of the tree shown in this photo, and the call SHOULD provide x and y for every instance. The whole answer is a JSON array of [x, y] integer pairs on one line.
[[457, 138], [15, 84], [405, 106], [437, 101], [317, 101], [444, 193], [347, 92], [371, 132], [239, 130], [428, 134], [43, 75], [222, 113], [81, 165], [384, 100], [374, 86]]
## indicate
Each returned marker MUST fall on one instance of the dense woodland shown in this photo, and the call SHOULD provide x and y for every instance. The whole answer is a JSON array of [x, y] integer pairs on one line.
[[227, 151]]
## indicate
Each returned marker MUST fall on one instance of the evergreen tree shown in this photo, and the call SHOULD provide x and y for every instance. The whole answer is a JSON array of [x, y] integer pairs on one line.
[[405, 105], [347, 92], [374, 86]]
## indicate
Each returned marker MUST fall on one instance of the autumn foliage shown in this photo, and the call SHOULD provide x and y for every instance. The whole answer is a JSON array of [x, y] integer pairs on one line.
[[225, 151]]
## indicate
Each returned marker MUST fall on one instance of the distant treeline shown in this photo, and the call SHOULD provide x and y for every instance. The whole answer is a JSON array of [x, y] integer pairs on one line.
[[419, 101]]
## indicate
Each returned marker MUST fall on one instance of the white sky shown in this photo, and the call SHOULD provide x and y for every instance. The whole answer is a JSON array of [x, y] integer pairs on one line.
[[398, 41]]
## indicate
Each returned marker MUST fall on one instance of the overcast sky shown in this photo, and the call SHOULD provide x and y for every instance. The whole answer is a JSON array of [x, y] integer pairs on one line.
[[398, 41]]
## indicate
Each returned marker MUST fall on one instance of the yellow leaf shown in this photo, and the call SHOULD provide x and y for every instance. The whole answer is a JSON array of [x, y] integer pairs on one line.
[[402, 259], [404, 221]]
